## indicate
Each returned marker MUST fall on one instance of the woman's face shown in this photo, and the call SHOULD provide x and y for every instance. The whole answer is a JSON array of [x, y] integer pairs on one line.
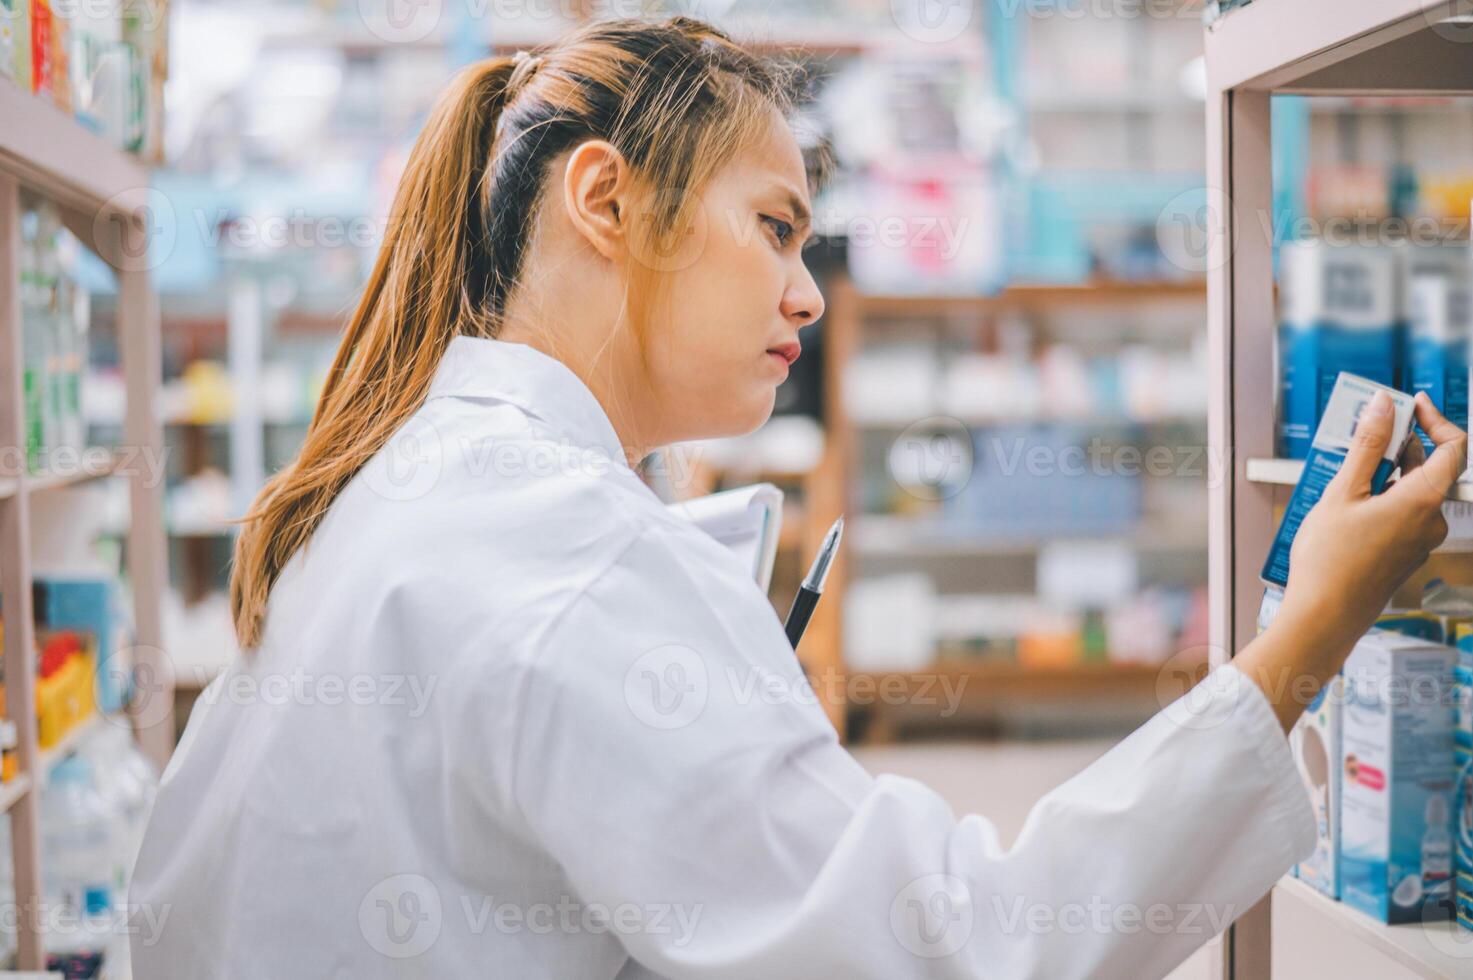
[[737, 293]]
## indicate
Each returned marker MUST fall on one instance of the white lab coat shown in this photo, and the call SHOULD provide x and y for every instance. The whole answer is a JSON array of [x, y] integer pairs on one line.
[[510, 718]]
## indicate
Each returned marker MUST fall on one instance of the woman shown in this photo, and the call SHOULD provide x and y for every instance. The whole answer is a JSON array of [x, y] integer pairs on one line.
[[501, 715]]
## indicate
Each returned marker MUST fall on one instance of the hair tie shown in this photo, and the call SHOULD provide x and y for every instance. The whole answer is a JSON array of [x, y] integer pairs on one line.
[[524, 65]]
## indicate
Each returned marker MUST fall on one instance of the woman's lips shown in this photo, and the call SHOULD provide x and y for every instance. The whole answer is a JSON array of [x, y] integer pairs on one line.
[[788, 352]]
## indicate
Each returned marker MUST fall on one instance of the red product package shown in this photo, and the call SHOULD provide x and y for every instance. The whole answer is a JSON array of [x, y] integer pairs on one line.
[[41, 47], [57, 650]]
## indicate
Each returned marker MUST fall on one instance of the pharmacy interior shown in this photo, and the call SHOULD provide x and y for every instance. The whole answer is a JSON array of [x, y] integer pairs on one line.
[[1107, 282]]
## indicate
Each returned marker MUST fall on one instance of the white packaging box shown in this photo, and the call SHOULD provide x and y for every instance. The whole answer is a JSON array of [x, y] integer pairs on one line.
[[1397, 778], [1315, 740]]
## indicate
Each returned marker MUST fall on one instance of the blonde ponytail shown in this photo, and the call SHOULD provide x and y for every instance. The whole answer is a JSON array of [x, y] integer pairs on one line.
[[453, 246], [415, 295]]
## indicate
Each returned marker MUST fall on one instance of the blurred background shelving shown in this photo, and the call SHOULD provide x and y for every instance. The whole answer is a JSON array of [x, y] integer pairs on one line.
[[282, 155], [1042, 291], [1007, 397], [86, 692]]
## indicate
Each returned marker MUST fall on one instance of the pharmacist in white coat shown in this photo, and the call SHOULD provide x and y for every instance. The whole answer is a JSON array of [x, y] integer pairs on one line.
[[501, 715]]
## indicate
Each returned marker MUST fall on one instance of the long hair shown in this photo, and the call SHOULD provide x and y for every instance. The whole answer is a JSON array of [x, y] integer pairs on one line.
[[676, 98]]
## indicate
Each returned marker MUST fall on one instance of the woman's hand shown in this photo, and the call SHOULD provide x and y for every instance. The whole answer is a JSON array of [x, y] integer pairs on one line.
[[1352, 553], [1354, 549]]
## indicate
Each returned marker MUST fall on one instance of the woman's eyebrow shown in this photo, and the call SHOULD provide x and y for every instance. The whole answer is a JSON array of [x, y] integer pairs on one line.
[[801, 213], [802, 216]]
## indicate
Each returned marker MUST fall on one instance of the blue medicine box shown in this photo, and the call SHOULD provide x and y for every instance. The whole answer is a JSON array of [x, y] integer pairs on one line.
[[1340, 310], [1438, 287], [1332, 441]]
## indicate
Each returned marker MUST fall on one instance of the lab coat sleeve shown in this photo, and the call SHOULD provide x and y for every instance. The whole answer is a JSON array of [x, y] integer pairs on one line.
[[674, 763]]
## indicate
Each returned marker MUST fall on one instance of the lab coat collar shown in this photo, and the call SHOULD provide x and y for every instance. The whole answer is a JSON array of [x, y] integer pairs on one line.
[[538, 384]]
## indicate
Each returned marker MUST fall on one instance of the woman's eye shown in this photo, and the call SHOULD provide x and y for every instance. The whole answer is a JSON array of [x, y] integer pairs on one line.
[[780, 228]]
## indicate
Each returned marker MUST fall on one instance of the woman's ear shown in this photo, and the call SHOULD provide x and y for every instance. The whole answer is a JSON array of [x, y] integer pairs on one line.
[[595, 193]]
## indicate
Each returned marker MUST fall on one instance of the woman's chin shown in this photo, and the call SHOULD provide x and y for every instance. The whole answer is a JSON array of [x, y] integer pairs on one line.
[[761, 410], [748, 416]]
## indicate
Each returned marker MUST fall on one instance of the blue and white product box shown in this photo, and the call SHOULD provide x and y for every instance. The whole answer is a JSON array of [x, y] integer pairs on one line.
[[1332, 440], [1396, 810], [1315, 740], [1339, 310], [1438, 290], [1463, 766], [1269, 605]]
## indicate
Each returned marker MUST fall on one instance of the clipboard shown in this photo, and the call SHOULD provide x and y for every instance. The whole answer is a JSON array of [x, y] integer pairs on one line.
[[746, 520]]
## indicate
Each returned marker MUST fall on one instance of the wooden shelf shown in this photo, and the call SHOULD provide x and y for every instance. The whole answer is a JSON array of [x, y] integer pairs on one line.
[[1071, 103], [1082, 677], [1434, 950], [40, 482], [54, 156], [12, 792], [884, 534], [768, 36], [101, 194], [1004, 680], [1285, 472], [1365, 47], [958, 690], [70, 741], [971, 420], [1028, 295]]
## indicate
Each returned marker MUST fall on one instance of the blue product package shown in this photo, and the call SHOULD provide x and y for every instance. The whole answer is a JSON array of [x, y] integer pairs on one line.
[[1339, 310], [1438, 288], [1463, 786], [1396, 810], [1332, 440]]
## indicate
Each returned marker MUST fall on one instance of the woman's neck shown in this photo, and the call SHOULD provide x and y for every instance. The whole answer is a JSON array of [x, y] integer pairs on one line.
[[591, 349]]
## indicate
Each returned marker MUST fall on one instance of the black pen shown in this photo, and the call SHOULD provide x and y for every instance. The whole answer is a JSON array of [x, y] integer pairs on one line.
[[807, 598]]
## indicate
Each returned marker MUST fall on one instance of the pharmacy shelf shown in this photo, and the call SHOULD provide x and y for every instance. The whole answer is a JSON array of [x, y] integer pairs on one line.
[[55, 157], [184, 529], [1438, 104], [1010, 677], [73, 739], [980, 688], [768, 35], [879, 535], [1073, 103], [1342, 48], [856, 318], [13, 791], [91, 467], [978, 421], [1434, 950], [1285, 472], [1026, 295], [101, 194]]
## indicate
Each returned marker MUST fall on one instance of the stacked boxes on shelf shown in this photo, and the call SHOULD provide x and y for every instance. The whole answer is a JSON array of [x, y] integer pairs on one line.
[[1396, 314], [1397, 757], [1376, 749], [65, 679], [1463, 787], [55, 316], [102, 63], [79, 672]]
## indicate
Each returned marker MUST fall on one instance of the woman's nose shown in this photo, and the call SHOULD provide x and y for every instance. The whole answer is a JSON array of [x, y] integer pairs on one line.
[[803, 302]]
